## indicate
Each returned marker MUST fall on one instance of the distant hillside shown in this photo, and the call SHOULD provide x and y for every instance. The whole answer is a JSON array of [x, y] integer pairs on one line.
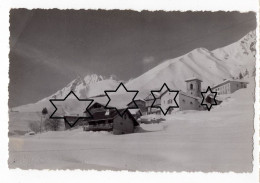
[[89, 86], [210, 66]]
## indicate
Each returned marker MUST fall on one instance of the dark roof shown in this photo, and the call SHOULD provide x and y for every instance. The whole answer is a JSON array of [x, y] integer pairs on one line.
[[156, 94], [135, 101], [101, 115], [95, 104]]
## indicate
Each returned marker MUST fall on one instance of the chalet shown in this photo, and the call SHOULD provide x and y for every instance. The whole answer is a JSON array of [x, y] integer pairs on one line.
[[125, 124], [71, 116], [102, 120], [229, 86], [109, 119]]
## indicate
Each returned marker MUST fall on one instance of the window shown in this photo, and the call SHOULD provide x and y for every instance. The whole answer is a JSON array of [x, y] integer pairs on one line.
[[107, 112], [125, 116], [183, 100], [191, 86], [191, 103]]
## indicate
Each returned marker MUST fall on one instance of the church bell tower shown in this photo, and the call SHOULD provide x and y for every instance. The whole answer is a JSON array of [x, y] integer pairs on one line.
[[193, 86]]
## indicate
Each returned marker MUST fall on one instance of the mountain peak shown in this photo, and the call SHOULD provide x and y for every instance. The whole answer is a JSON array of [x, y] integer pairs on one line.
[[211, 66], [93, 78], [248, 43]]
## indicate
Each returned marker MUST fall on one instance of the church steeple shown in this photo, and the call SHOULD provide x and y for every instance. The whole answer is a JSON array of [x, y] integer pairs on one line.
[[193, 86]]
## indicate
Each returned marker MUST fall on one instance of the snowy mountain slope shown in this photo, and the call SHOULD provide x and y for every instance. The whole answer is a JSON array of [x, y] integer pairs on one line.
[[89, 86], [197, 63], [210, 66], [239, 56]]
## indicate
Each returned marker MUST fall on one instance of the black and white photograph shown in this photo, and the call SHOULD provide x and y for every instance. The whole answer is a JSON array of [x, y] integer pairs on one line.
[[146, 91]]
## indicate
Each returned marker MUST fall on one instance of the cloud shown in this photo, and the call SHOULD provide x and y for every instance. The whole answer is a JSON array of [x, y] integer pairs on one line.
[[148, 60]]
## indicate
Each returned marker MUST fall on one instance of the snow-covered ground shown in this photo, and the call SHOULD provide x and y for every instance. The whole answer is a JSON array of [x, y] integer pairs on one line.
[[219, 140]]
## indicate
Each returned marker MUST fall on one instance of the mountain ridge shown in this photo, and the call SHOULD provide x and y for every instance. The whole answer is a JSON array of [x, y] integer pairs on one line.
[[211, 66]]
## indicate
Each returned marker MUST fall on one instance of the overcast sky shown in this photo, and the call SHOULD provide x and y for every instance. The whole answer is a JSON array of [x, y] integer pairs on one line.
[[49, 48]]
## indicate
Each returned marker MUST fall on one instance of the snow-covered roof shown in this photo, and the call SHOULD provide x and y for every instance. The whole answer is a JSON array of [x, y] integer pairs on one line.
[[193, 78], [101, 100], [119, 101], [134, 111], [150, 96], [103, 115], [135, 101], [183, 93]]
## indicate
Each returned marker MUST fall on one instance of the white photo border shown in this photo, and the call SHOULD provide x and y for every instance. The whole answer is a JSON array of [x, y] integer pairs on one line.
[[65, 176]]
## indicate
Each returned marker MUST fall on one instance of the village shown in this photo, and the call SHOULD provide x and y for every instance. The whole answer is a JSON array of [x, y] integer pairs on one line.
[[151, 141], [167, 92], [107, 119]]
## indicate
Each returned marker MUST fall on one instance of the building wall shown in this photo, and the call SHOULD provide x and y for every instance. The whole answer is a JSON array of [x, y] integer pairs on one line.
[[104, 125], [229, 87], [194, 88], [167, 100], [153, 110], [149, 102], [234, 86], [188, 103], [123, 125], [184, 102], [223, 89]]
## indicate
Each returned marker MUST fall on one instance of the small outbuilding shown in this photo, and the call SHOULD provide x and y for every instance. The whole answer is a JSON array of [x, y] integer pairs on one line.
[[149, 100], [124, 124]]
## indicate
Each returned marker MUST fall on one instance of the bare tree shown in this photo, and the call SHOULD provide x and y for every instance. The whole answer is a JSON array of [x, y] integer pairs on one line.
[[52, 124], [240, 76], [35, 126], [44, 111]]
